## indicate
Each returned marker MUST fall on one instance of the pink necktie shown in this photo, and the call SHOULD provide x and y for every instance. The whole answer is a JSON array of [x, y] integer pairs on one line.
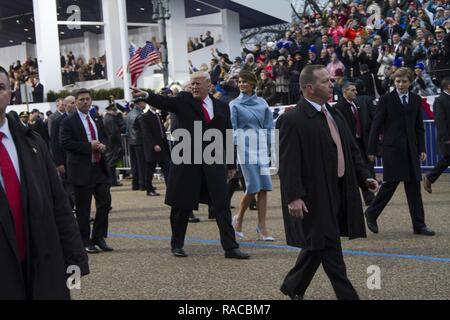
[[205, 113], [337, 141], [12, 189], [97, 155]]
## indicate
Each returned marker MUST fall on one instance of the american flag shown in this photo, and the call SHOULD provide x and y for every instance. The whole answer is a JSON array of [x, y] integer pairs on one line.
[[131, 51], [146, 56], [139, 59]]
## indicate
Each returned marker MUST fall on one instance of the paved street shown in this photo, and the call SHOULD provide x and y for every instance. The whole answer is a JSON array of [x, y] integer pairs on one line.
[[142, 267]]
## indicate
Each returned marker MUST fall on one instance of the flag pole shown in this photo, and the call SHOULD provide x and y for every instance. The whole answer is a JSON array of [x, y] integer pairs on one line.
[[123, 25]]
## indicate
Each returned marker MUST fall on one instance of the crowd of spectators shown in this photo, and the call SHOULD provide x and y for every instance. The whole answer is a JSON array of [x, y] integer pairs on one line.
[[354, 45], [73, 70], [78, 70], [200, 43]]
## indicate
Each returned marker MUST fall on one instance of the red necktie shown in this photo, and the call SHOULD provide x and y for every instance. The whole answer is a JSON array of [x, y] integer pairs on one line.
[[357, 120], [12, 189], [97, 155], [337, 141], [205, 113]]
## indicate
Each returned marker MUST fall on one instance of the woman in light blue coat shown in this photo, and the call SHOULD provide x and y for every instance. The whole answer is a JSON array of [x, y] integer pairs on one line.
[[253, 126]]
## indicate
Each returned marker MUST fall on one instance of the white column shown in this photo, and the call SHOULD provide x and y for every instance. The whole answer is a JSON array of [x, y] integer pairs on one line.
[[91, 46], [116, 52], [124, 44], [232, 32], [177, 42], [47, 44]]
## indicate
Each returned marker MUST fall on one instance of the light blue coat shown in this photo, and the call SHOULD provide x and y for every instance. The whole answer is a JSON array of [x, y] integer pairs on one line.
[[253, 126]]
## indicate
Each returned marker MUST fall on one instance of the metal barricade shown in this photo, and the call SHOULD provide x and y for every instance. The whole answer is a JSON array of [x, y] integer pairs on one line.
[[430, 146]]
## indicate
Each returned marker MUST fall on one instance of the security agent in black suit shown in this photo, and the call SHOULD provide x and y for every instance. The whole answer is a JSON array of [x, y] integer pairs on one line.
[[190, 183], [83, 138], [441, 110], [59, 155], [359, 120], [37, 124], [156, 147], [399, 113]]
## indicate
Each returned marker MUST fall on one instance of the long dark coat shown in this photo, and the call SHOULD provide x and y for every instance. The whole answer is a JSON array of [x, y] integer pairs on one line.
[[152, 136], [191, 184], [365, 118], [52, 235], [403, 137], [441, 110], [308, 171], [114, 127]]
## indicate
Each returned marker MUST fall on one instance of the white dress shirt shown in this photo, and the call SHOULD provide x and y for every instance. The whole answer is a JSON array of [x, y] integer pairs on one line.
[[318, 107], [10, 148], [208, 103], [86, 125], [400, 95]]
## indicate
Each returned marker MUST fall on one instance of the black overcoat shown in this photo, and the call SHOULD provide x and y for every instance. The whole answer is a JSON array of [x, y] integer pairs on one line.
[[191, 183], [52, 235], [153, 134], [441, 109], [113, 130], [308, 171], [403, 137], [365, 117]]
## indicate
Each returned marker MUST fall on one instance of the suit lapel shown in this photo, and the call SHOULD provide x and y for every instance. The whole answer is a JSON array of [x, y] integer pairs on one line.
[[81, 127], [6, 221]]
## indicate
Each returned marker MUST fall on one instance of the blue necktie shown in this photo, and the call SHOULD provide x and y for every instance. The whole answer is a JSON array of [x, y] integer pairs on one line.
[[405, 102]]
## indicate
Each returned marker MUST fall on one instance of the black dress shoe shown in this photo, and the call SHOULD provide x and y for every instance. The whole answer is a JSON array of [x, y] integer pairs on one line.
[[179, 253], [194, 219], [153, 194], [91, 249], [236, 254], [118, 184], [101, 243], [425, 232], [286, 292], [371, 223]]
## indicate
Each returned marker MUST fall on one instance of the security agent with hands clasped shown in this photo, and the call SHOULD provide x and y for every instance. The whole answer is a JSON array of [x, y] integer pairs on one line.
[[83, 138], [189, 183]]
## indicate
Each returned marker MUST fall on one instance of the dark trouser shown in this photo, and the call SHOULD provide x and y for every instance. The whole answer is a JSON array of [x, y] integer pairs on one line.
[[150, 169], [99, 187], [137, 159], [69, 190], [441, 166], [299, 278], [112, 173], [412, 189], [367, 195], [179, 219]]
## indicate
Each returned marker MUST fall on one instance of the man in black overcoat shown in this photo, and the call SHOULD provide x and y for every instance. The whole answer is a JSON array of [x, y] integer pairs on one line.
[[359, 119], [39, 237], [114, 127], [156, 147], [441, 109], [193, 181], [399, 115], [320, 171], [84, 141]]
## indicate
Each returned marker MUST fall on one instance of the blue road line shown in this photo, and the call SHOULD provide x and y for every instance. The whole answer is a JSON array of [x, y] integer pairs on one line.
[[271, 246]]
